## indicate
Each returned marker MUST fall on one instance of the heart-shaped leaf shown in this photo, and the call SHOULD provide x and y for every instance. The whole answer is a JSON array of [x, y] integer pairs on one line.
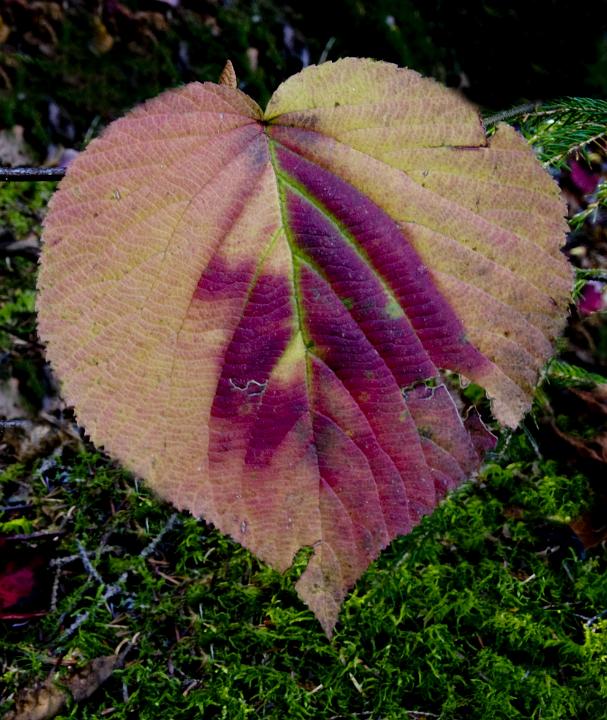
[[254, 310]]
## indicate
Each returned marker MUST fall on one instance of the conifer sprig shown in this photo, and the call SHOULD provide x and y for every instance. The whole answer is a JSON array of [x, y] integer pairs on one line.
[[559, 128], [564, 374]]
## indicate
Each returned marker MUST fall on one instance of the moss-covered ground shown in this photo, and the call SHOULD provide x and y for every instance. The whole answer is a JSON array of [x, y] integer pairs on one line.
[[490, 609], [494, 607]]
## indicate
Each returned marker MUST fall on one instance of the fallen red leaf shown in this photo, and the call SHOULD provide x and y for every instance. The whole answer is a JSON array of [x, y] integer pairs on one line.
[[22, 591], [15, 584]]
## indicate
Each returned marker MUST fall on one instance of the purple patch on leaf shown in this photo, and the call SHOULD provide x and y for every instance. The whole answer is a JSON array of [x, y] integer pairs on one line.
[[359, 288], [341, 345], [279, 411], [379, 240], [258, 343], [220, 282]]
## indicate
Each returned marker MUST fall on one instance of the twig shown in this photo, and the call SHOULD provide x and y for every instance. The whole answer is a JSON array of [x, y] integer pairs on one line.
[[596, 618], [111, 590], [13, 508], [505, 114], [152, 546], [22, 537], [325, 53], [88, 566], [58, 563], [21, 174]]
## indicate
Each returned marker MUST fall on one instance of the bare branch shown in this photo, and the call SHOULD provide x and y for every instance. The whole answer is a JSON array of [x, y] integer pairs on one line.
[[20, 174]]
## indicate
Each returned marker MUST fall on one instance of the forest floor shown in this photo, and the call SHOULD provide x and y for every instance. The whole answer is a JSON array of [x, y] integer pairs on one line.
[[113, 605]]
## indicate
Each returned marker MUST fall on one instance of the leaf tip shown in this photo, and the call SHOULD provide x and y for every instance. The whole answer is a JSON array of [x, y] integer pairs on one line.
[[320, 588], [228, 76]]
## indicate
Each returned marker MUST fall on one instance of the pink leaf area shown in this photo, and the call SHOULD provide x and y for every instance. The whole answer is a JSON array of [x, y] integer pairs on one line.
[[258, 312]]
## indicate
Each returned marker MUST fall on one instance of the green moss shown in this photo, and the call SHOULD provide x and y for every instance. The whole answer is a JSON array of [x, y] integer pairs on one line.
[[472, 615], [21, 209], [21, 205]]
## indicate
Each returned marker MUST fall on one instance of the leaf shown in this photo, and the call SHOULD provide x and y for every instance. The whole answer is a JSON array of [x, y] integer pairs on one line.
[[24, 589], [48, 699], [253, 310], [16, 583]]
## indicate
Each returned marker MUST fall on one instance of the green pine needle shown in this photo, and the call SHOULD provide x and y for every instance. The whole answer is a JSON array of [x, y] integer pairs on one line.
[[559, 128], [563, 374], [591, 211]]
